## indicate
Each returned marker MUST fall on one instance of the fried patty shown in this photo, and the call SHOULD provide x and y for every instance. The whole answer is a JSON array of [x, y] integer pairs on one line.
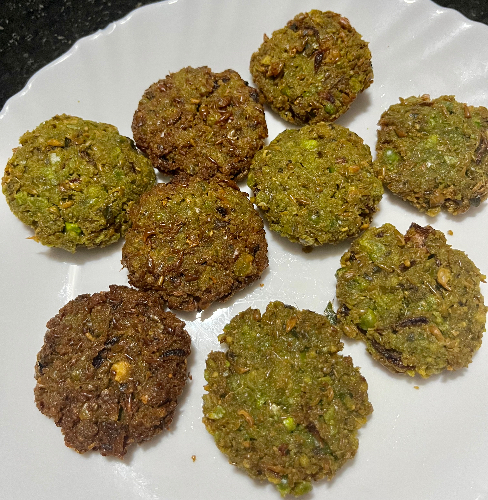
[[316, 185], [196, 121], [433, 153], [195, 240], [311, 70], [281, 403], [111, 369], [413, 300], [73, 181]]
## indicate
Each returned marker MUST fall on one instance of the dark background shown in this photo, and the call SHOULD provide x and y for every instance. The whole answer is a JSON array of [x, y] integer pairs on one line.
[[35, 32]]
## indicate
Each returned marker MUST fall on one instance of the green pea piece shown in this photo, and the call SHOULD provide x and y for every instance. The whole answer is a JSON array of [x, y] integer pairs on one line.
[[367, 320], [73, 228], [391, 156], [289, 423], [329, 108]]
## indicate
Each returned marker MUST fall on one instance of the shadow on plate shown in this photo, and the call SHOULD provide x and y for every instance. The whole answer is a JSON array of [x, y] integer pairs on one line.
[[207, 313], [360, 106], [83, 255]]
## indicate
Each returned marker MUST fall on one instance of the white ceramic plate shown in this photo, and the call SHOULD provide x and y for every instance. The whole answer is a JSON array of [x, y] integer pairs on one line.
[[425, 443]]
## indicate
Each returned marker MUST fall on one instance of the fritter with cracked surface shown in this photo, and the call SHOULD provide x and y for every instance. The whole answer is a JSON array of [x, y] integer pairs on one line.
[[433, 153], [111, 369], [311, 70], [195, 240], [316, 185], [73, 181], [414, 300], [282, 404], [197, 121]]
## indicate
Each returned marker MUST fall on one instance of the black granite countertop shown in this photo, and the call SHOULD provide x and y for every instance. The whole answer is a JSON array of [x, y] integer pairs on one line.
[[35, 32]]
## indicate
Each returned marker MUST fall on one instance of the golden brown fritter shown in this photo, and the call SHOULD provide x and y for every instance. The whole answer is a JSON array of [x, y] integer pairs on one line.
[[196, 121], [311, 70], [281, 403], [74, 181], [195, 240], [111, 369], [413, 300], [433, 153], [316, 185]]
